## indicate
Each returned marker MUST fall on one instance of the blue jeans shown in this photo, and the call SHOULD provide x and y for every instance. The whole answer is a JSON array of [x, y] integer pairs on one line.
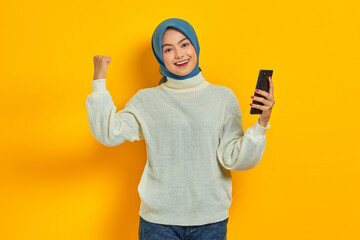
[[155, 231]]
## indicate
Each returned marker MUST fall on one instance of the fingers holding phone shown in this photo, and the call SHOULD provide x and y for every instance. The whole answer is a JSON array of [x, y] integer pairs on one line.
[[263, 85], [263, 99]]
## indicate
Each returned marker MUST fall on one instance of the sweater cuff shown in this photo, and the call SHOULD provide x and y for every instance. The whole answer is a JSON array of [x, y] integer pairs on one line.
[[260, 130], [99, 85]]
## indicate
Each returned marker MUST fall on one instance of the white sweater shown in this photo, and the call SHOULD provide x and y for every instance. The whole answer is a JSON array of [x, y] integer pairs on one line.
[[194, 136]]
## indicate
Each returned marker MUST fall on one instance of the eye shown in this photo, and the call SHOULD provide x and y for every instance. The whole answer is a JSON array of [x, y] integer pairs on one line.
[[167, 50], [185, 44]]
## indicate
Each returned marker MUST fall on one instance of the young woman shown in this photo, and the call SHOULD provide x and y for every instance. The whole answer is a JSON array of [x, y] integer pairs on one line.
[[194, 136]]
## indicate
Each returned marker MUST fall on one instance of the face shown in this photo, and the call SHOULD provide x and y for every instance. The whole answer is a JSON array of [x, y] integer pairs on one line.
[[176, 49]]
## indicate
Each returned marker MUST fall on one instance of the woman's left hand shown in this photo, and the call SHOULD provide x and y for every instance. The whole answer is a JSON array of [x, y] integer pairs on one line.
[[268, 102]]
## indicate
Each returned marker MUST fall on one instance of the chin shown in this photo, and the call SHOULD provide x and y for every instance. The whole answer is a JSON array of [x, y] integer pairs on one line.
[[180, 73], [184, 73]]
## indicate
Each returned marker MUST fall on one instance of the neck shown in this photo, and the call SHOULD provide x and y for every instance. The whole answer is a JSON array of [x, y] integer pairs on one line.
[[193, 82]]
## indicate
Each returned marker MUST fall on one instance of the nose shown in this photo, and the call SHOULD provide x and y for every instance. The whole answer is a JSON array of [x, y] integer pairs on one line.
[[178, 54]]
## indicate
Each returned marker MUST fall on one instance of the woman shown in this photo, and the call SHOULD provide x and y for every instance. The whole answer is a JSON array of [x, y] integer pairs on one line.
[[194, 137]]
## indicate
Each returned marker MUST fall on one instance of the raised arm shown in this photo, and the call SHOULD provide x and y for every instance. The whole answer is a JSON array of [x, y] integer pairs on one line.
[[107, 126]]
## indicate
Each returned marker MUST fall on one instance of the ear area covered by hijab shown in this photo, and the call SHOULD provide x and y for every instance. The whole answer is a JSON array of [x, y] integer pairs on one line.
[[156, 41]]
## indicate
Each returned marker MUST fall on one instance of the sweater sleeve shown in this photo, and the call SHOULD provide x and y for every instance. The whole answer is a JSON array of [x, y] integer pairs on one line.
[[107, 126], [238, 150]]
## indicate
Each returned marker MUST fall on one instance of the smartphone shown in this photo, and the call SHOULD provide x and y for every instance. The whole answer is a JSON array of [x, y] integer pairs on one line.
[[262, 84]]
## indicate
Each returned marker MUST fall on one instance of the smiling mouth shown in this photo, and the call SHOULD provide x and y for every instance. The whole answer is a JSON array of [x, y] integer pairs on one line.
[[182, 63]]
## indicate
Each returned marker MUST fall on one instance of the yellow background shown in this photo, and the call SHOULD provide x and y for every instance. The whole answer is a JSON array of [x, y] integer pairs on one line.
[[58, 182]]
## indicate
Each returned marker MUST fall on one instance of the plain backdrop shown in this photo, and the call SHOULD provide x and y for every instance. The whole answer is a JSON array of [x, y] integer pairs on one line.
[[57, 182]]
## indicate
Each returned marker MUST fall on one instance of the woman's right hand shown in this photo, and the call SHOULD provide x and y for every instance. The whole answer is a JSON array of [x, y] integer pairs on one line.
[[100, 66]]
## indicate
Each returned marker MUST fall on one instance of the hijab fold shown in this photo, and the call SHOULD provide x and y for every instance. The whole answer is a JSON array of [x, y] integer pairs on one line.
[[156, 41]]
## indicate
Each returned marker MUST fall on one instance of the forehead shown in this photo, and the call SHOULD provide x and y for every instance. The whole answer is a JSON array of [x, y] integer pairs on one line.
[[172, 34]]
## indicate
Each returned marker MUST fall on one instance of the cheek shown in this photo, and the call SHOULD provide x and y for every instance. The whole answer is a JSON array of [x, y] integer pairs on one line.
[[166, 60], [192, 52], [194, 56]]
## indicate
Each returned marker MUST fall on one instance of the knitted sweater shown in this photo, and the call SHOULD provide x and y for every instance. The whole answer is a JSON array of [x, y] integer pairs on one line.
[[194, 136]]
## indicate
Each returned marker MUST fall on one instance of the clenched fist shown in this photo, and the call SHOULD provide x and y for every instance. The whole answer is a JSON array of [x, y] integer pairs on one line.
[[100, 66]]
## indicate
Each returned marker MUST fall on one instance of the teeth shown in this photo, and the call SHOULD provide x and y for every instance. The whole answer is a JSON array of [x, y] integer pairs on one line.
[[182, 62]]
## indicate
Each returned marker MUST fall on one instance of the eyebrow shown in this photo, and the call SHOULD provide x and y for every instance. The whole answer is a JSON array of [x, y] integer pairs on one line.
[[166, 44]]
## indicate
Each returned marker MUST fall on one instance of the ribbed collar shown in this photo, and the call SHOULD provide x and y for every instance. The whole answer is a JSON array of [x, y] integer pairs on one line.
[[189, 83]]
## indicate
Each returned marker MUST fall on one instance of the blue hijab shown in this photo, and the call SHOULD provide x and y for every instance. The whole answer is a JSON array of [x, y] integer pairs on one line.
[[156, 40]]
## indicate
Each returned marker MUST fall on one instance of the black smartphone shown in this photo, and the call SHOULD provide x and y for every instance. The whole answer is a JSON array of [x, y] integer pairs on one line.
[[262, 84]]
